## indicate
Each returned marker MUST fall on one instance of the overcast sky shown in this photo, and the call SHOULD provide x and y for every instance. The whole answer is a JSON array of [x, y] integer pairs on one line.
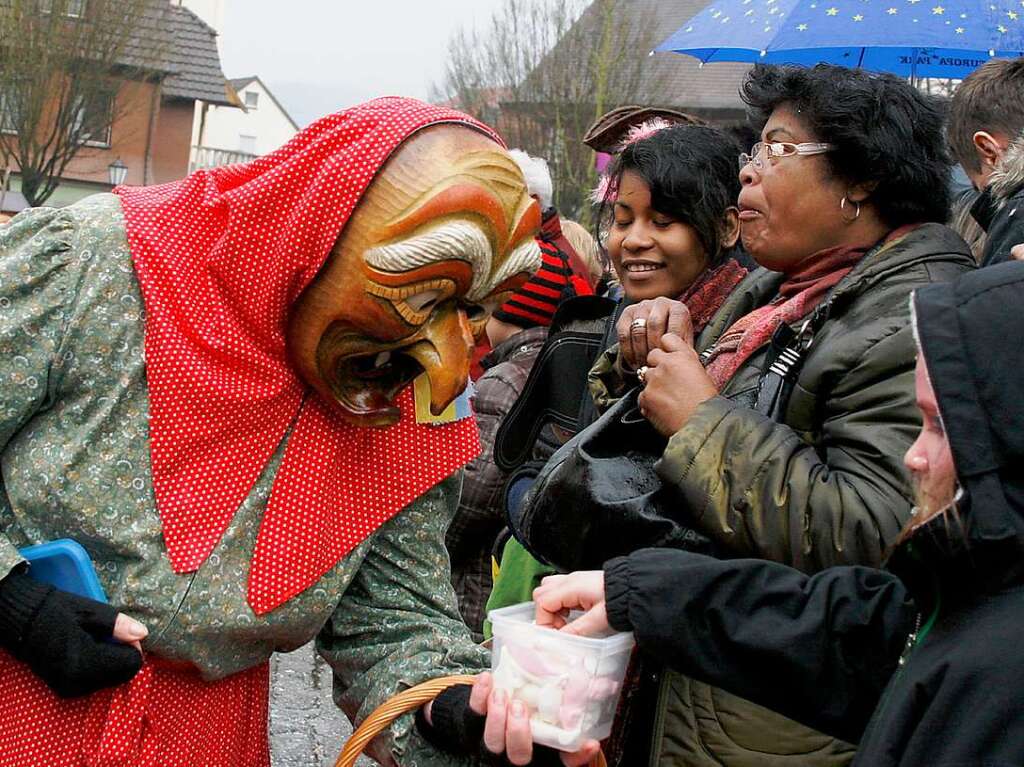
[[322, 55]]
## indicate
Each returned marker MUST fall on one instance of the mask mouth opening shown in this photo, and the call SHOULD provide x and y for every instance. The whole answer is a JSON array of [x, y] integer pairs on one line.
[[365, 381]]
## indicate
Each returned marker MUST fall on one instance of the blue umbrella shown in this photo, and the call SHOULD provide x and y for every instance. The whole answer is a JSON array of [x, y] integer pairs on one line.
[[913, 38]]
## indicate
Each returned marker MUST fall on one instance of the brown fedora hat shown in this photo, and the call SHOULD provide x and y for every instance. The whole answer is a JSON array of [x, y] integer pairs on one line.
[[608, 132]]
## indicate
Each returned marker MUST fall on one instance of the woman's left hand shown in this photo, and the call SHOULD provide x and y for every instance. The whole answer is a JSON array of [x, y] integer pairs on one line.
[[1017, 252], [675, 383]]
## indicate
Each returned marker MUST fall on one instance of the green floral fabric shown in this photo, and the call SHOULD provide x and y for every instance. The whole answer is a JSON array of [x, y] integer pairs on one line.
[[74, 463]]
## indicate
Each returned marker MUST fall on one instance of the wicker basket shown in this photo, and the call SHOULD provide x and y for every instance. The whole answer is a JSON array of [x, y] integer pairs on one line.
[[405, 701]]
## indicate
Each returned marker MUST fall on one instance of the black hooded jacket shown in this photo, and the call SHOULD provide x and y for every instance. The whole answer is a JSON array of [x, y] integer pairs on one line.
[[921, 664], [999, 210]]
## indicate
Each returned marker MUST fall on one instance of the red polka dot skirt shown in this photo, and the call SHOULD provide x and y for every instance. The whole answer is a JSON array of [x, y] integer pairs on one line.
[[162, 718]]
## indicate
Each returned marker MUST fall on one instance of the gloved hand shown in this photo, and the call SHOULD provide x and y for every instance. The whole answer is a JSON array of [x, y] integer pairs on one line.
[[457, 729], [62, 637]]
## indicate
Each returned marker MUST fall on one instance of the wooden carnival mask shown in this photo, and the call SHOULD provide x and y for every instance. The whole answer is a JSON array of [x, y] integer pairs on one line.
[[442, 236]]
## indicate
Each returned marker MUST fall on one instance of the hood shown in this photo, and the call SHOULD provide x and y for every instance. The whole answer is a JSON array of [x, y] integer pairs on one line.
[[221, 256], [1008, 178], [970, 333]]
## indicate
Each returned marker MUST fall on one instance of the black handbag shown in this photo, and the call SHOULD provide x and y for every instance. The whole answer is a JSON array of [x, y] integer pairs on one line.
[[598, 497], [556, 389]]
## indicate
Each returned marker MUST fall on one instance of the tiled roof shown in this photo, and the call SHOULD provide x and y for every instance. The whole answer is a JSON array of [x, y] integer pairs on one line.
[[171, 40], [240, 83], [684, 83], [194, 61], [149, 44]]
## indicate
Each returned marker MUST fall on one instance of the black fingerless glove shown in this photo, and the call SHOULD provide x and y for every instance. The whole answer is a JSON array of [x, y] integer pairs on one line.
[[61, 637], [458, 729]]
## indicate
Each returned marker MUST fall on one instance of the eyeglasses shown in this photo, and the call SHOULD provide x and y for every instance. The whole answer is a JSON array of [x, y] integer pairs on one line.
[[763, 151]]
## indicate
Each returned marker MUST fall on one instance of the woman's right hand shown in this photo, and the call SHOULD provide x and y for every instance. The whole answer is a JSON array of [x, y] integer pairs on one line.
[[504, 723], [62, 637], [583, 590], [507, 729], [642, 325]]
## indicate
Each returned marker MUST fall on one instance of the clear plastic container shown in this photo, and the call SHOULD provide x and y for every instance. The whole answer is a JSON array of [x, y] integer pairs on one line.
[[570, 684]]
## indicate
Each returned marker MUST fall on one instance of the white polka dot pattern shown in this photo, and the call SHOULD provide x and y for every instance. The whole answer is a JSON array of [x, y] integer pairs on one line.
[[220, 257], [162, 718]]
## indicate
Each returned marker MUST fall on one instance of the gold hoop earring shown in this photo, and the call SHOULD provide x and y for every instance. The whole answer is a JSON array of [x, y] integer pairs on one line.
[[842, 210]]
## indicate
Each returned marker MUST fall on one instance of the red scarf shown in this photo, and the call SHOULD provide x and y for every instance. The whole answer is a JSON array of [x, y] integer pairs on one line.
[[802, 291], [706, 296], [221, 256]]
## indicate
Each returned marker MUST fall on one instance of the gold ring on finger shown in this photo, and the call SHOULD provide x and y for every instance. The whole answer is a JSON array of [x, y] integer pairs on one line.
[[641, 373]]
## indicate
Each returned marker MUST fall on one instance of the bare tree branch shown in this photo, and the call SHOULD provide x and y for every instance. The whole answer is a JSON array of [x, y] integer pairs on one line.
[[544, 70], [62, 65]]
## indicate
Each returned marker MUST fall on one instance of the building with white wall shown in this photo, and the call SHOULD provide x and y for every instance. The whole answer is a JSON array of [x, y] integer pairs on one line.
[[223, 135]]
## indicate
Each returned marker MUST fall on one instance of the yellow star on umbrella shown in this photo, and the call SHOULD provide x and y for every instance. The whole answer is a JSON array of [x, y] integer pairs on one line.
[[801, 27], [938, 10], [835, 11], [858, 17]]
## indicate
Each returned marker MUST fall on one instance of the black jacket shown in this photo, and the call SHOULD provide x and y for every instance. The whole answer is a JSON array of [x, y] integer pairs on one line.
[[1000, 208], [826, 649]]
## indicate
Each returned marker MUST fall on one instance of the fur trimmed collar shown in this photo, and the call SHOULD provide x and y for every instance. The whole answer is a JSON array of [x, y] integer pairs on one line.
[[1008, 178]]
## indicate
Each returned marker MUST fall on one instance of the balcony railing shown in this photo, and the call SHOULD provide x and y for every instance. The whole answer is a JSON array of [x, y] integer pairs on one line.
[[208, 157]]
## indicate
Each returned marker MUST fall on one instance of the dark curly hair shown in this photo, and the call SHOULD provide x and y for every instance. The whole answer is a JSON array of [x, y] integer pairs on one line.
[[691, 172], [886, 131]]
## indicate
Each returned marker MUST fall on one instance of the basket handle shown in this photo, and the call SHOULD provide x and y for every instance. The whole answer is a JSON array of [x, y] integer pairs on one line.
[[394, 707]]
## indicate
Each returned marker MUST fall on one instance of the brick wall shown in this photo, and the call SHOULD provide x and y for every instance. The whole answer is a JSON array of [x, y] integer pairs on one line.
[[172, 140]]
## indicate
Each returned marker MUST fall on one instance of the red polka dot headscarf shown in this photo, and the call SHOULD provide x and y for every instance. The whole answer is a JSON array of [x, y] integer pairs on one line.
[[221, 256]]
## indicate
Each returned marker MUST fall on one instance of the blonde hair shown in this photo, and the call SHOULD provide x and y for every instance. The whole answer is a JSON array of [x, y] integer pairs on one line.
[[963, 223], [585, 246]]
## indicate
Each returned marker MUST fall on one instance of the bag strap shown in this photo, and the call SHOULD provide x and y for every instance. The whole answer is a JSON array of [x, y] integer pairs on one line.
[[556, 382], [588, 412], [789, 347], [786, 357]]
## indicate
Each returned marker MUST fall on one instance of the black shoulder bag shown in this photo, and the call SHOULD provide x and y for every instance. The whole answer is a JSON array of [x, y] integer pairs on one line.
[[599, 497]]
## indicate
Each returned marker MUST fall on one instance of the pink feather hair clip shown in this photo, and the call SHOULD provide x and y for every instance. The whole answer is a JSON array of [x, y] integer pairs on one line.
[[644, 130], [605, 190]]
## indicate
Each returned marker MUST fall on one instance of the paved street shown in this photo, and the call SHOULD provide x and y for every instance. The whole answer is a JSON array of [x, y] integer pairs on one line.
[[306, 728]]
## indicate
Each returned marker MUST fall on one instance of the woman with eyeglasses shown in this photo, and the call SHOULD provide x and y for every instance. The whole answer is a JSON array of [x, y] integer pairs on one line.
[[788, 414]]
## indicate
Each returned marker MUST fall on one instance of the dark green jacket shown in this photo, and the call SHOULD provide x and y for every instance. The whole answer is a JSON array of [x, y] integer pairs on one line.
[[824, 487]]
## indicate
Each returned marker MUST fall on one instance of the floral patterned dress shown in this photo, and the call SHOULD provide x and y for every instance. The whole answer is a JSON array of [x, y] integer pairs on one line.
[[74, 457]]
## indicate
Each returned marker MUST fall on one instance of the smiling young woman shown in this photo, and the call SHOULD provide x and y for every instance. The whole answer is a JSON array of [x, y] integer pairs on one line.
[[670, 211]]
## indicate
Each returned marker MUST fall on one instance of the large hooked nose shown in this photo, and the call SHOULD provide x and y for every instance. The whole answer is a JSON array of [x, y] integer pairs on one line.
[[445, 351]]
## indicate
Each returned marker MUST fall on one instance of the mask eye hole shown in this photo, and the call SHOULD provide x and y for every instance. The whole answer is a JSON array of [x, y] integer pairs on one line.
[[415, 302], [476, 312], [423, 302]]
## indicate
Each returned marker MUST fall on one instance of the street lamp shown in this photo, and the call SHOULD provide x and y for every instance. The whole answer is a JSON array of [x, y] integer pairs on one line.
[[118, 172]]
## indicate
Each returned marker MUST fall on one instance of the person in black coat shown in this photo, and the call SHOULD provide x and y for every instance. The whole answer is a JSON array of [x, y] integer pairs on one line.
[[920, 663], [986, 135]]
